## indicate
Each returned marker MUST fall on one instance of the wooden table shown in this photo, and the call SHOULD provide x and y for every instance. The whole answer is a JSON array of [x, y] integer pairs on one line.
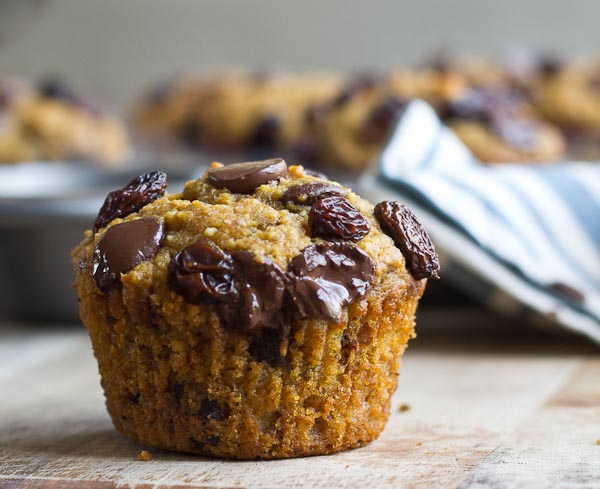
[[488, 405]]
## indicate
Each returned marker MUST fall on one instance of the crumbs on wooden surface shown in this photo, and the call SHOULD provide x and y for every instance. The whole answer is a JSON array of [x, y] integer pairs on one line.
[[144, 456], [404, 408]]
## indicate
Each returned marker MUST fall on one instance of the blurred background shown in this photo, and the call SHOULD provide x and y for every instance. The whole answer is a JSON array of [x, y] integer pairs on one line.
[[112, 48]]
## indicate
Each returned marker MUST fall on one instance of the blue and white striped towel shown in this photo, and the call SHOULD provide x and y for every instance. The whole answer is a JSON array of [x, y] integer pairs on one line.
[[526, 233]]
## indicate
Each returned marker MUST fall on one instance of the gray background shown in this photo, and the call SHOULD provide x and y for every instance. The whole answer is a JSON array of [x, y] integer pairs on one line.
[[115, 47]]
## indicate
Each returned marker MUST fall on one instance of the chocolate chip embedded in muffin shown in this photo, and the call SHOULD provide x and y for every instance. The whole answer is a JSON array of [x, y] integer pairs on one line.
[[125, 246], [131, 198], [336, 218], [402, 226], [327, 277], [244, 178]]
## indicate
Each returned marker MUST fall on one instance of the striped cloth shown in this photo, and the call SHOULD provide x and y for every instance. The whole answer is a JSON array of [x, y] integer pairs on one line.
[[523, 236]]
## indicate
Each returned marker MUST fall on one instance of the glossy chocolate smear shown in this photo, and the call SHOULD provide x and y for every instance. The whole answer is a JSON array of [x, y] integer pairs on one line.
[[244, 178], [259, 294], [309, 193], [327, 277], [125, 246], [398, 222], [202, 273], [132, 197]]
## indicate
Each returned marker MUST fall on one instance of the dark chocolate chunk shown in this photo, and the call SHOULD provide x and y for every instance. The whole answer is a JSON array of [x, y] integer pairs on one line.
[[202, 273], [309, 193], [212, 409], [307, 150], [379, 121], [551, 64], [265, 346], [189, 133], [410, 237], [336, 218], [328, 276], [244, 178], [131, 198], [265, 134], [568, 292], [260, 294], [359, 83], [125, 246]]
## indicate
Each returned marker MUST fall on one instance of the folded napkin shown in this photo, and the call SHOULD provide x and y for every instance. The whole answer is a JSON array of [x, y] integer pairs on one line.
[[519, 236]]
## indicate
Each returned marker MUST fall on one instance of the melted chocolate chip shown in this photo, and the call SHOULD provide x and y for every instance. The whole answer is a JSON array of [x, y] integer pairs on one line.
[[125, 246], [136, 194], [265, 134], [568, 292], [212, 409], [327, 277], [309, 193], [202, 273], [336, 218], [260, 294], [410, 237], [379, 121], [244, 178]]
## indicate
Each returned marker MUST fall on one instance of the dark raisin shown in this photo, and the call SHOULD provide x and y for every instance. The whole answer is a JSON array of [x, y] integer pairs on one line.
[[328, 276], [410, 237], [189, 133], [131, 198], [266, 132], [379, 121], [309, 193], [202, 273], [308, 150], [212, 409], [359, 83], [336, 218]]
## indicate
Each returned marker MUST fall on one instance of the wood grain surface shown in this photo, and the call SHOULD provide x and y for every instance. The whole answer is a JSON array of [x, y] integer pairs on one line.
[[497, 406]]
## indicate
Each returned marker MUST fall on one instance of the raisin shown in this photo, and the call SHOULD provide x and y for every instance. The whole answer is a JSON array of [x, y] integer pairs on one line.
[[380, 119], [309, 193], [265, 346], [202, 273], [567, 292], [131, 198], [212, 409], [336, 218], [410, 237], [265, 134]]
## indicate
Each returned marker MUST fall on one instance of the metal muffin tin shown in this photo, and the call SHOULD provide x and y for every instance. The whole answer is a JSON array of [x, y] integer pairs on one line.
[[44, 209]]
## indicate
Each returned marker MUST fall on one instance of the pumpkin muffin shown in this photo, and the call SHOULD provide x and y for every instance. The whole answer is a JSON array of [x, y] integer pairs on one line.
[[260, 313]]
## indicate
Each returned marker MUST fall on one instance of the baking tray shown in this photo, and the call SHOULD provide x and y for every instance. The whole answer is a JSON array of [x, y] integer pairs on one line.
[[44, 209]]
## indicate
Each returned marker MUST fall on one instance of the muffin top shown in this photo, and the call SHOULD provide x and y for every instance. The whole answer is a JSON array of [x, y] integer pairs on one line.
[[258, 243]]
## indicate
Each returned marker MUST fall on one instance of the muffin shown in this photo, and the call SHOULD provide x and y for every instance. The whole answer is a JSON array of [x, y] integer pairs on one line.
[[52, 122], [260, 313]]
